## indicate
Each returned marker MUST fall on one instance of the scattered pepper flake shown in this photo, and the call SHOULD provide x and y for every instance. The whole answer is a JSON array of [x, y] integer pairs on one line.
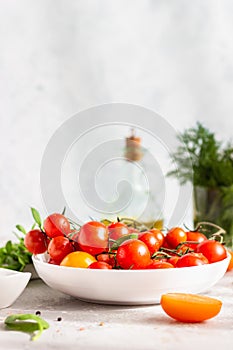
[[82, 328]]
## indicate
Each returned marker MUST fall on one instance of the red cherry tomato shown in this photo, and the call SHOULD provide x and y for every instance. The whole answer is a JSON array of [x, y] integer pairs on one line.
[[158, 235], [175, 236], [133, 254], [166, 245], [117, 230], [59, 247], [74, 238], [36, 242], [93, 238], [195, 236], [132, 230], [100, 265], [158, 264], [73, 235], [191, 259], [173, 260], [53, 262], [212, 250], [107, 258], [150, 240], [56, 225], [184, 249]]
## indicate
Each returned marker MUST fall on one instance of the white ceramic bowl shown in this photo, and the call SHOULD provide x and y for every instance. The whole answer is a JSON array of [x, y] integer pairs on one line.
[[129, 287], [12, 284]]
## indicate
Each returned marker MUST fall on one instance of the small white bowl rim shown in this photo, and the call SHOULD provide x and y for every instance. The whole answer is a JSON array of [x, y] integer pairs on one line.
[[8, 273]]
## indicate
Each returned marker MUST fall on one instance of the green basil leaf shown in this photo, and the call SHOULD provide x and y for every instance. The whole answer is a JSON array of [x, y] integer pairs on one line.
[[21, 260], [21, 229], [8, 247], [33, 226], [27, 323], [28, 327], [36, 217]]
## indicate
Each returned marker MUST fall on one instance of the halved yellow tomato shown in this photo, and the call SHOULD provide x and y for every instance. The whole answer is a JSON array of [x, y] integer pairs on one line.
[[78, 259], [190, 307], [230, 266]]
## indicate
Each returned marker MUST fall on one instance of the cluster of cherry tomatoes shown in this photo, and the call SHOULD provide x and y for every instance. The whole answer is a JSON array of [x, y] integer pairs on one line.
[[118, 246]]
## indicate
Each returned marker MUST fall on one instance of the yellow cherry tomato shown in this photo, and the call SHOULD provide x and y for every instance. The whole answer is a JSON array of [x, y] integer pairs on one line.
[[78, 259]]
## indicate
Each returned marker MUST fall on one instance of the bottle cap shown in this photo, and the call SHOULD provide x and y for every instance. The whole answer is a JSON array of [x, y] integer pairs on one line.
[[133, 150]]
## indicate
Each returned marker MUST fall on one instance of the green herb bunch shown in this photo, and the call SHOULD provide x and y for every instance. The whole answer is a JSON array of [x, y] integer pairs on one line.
[[212, 162], [211, 174], [14, 255]]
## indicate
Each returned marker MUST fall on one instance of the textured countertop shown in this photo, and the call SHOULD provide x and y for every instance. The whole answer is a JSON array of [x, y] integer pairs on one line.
[[93, 326]]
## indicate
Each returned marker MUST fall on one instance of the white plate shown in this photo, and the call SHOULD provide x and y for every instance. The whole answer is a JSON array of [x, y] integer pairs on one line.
[[12, 284], [128, 287]]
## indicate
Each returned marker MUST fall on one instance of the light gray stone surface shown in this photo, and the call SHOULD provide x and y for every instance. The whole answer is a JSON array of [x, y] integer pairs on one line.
[[124, 327]]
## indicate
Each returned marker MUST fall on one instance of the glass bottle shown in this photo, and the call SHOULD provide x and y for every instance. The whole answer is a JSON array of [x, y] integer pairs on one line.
[[144, 205]]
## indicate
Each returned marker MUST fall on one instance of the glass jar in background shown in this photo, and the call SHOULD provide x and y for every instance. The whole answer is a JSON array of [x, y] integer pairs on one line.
[[215, 205]]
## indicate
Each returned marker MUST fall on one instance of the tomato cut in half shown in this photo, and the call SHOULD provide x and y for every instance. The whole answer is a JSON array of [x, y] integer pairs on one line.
[[230, 266], [190, 308]]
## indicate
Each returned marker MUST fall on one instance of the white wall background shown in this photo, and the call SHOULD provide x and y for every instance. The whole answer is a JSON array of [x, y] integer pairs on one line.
[[58, 57]]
